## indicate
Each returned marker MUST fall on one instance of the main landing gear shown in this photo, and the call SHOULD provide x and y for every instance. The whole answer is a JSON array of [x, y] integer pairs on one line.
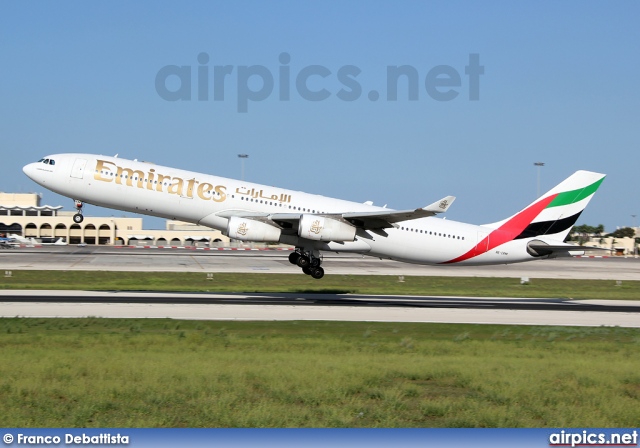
[[309, 263], [78, 218]]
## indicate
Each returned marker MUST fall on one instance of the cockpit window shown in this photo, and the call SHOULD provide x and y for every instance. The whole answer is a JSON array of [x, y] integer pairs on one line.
[[41, 160], [52, 162]]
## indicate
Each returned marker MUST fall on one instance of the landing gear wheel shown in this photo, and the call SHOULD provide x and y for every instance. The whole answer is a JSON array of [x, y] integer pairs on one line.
[[307, 270], [315, 262], [78, 218], [303, 261], [317, 273], [294, 257]]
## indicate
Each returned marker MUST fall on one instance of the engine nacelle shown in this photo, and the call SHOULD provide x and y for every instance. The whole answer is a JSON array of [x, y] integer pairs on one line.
[[319, 228], [249, 230]]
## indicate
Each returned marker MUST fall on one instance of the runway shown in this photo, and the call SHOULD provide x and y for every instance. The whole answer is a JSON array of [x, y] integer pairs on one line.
[[275, 261], [309, 306], [331, 307]]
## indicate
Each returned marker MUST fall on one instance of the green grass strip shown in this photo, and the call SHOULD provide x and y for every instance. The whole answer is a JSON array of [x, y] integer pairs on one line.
[[167, 373]]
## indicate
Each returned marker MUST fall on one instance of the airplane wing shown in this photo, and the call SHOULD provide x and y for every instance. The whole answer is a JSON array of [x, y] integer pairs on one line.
[[366, 220], [386, 219]]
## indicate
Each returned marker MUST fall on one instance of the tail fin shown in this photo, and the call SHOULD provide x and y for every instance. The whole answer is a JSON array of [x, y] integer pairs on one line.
[[555, 212]]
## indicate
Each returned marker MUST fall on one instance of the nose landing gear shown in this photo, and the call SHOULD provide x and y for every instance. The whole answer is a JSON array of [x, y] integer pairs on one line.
[[309, 262], [78, 218]]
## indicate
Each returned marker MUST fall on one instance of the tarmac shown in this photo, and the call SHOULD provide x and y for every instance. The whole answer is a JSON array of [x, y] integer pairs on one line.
[[304, 306], [276, 261], [308, 306]]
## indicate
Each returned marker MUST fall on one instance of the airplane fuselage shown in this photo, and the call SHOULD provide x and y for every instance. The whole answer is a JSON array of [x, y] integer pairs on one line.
[[209, 200]]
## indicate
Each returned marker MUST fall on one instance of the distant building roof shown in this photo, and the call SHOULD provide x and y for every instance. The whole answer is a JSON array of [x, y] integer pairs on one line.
[[30, 207], [25, 199]]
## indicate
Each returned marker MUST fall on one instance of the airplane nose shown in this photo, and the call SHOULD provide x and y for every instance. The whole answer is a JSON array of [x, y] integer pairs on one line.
[[29, 170]]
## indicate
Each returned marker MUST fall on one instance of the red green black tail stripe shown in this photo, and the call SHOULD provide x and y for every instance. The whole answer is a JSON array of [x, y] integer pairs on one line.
[[571, 197], [548, 227], [521, 225]]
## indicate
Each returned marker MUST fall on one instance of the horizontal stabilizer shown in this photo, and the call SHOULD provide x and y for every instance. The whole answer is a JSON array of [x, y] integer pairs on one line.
[[540, 249]]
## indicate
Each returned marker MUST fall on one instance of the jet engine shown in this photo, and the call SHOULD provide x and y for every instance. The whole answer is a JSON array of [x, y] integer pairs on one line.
[[319, 228], [249, 230]]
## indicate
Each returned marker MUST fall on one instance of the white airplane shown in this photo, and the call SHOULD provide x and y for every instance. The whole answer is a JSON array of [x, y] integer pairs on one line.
[[8, 242], [313, 223], [19, 239]]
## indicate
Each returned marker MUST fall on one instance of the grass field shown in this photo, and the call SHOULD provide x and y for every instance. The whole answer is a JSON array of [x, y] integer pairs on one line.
[[357, 284], [166, 373]]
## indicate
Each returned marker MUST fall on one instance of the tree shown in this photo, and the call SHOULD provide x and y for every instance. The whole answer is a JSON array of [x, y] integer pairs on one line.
[[584, 232], [624, 232]]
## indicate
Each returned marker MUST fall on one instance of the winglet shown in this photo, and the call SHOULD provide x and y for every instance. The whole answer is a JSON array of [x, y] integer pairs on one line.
[[440, 206]]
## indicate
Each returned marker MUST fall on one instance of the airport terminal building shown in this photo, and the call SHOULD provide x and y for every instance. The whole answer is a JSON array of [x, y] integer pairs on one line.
[[21, 214]]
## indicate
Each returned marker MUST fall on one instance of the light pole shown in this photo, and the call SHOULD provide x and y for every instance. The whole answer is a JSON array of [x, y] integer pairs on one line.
[[635, 232], [539, 165], [242, 158]]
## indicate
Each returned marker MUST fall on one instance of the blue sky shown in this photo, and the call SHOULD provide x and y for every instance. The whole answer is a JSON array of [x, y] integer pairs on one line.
[[560, 85]]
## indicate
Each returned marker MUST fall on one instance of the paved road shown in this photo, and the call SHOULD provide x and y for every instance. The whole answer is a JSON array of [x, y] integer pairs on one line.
[[310, 307], [319, 307], [181, 260]]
